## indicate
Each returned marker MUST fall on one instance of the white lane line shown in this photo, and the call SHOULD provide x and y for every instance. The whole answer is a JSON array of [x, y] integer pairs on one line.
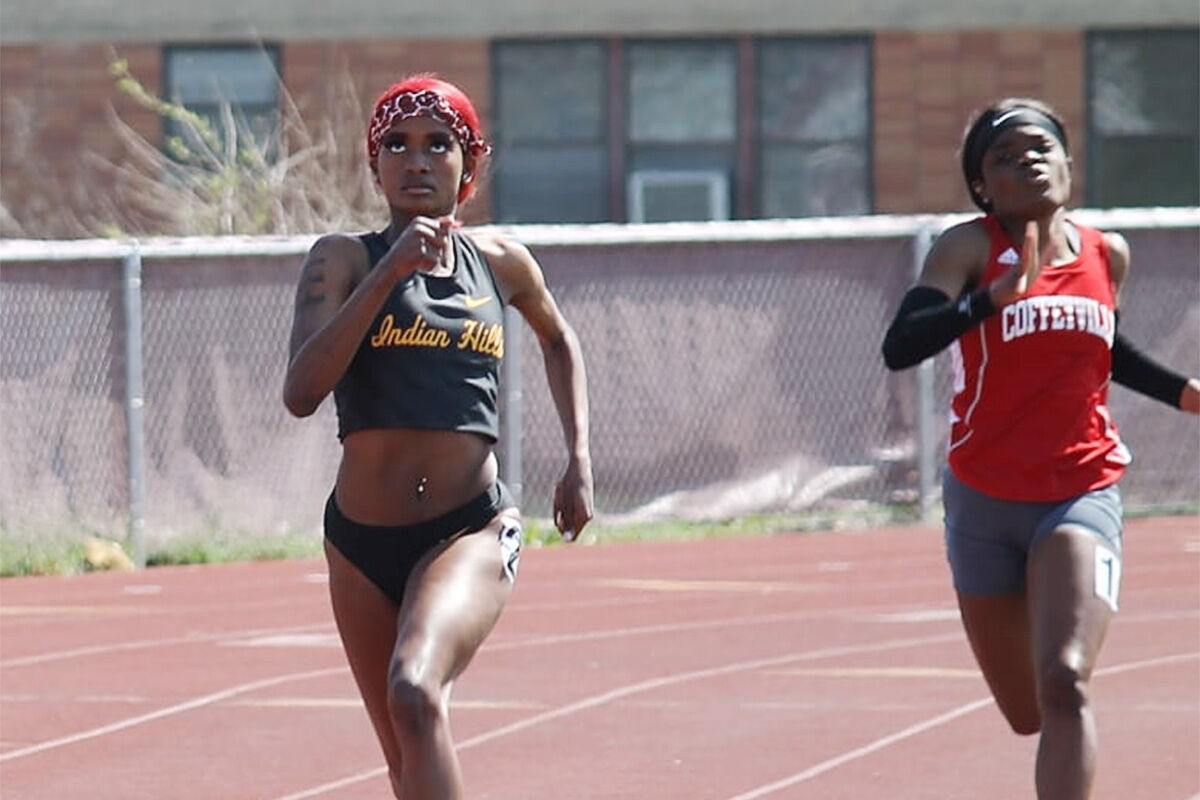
[[671, 627], [889, 673], [933, 722], [521, 725], [922, 616], [239, 637], [143, 644], [636, 688], [148, 643], [878, 744], [332, 786], [1160, 661], [236, 637], [178, 708], [700, 674], [321, 640], [663, 585]]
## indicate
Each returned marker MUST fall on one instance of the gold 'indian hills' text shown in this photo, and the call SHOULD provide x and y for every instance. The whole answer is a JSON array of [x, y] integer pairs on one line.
[[476, 336]]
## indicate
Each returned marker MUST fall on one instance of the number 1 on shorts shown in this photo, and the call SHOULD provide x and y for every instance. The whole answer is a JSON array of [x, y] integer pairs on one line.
[[1108, 576]]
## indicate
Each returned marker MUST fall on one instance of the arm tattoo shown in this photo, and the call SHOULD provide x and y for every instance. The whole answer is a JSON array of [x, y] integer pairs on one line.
[[312, 285]]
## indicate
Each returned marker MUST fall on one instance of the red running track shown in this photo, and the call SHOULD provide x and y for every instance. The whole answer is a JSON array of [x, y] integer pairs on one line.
[[825, 665]]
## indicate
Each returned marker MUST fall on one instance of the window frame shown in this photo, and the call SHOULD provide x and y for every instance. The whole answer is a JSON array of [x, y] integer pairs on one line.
[[1093, 173], [734, 145], [604, 143], [742, 155], [761, 141], [273, 53]]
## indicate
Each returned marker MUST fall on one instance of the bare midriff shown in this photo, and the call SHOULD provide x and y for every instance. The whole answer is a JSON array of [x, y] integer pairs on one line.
[[401, 476]]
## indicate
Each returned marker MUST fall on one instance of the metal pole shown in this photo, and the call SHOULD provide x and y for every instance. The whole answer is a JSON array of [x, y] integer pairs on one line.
[[513, 424], [134, 404], [926, 440]]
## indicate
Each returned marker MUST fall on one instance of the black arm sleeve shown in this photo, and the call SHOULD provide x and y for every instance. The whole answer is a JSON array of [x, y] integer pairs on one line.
[[928, 320], [1136, 370]]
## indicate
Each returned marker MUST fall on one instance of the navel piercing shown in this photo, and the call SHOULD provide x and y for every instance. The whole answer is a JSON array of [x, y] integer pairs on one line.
[[420, 490]]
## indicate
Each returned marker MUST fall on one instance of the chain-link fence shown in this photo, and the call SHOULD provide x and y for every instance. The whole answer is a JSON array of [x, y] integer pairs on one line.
[[734, 369]]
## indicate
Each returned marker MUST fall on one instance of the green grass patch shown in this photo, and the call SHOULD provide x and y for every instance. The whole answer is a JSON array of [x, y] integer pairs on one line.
[[60, 555], [38, 557], [1181, 510], [223, 549], [540, 532]]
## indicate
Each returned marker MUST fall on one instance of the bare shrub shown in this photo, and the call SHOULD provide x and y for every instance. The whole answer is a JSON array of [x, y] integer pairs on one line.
[[205, 180]]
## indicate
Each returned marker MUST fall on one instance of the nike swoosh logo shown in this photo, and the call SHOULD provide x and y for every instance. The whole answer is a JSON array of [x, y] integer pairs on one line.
[[476, 302], [1006, 115]]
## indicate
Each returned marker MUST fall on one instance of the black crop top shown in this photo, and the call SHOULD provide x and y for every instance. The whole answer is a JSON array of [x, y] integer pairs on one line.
[[431, 357]]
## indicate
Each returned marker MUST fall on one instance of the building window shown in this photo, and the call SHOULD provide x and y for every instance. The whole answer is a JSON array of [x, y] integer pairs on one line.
[[681, 136], [814, 127], [206, 80], [551, 162], [664, 130], [1143, 118]]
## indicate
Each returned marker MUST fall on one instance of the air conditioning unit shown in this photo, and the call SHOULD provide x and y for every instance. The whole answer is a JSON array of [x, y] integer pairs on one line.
[[677, 195]]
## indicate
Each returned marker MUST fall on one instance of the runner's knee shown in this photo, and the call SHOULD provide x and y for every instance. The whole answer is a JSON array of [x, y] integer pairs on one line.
[[1062, 687], [414, 702]]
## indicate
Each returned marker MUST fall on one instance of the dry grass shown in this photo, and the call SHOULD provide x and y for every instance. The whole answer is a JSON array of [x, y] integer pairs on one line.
[[208, 180]]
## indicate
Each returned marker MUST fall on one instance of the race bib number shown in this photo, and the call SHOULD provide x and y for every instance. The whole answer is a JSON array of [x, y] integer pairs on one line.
[[1108, 576]]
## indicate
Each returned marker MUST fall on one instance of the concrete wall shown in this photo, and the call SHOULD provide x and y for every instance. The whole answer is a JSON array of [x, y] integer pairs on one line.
[[27, 21]]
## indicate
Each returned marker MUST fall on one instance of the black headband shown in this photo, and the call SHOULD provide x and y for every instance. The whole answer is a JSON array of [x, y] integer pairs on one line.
[[988, 128]]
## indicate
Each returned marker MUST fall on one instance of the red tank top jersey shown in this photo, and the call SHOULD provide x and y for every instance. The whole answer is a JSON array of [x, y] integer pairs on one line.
[[1029, 420]]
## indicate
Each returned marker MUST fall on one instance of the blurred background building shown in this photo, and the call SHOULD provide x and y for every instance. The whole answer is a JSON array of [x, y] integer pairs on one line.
[[627, 110]]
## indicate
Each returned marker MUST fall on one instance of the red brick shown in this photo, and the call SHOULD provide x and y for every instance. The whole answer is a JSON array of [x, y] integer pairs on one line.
[[926, 84]]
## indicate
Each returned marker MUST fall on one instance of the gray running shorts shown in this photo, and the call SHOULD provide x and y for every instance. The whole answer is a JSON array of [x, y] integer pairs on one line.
[[988, 540]]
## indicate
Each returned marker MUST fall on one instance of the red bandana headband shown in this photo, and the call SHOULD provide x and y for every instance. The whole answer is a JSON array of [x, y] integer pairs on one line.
[[424, 103]]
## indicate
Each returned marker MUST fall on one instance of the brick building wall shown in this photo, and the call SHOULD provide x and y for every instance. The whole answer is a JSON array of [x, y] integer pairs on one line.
[[927, 85], [317, 71], [56, 102], [56, 106], [58, 140]]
